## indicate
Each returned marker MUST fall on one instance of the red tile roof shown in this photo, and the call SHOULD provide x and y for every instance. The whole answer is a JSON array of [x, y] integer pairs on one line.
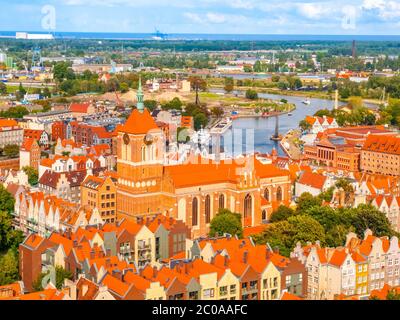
[[385, 144], [312, 180], [79, 107], [139, 123]]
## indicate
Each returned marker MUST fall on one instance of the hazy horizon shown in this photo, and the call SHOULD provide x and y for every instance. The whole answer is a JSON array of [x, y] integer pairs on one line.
[[272, 17]]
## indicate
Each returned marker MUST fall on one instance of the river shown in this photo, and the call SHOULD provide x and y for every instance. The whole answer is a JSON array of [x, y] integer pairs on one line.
[[258, 131]]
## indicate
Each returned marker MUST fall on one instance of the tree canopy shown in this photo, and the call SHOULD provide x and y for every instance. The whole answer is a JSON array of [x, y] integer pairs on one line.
[[226, 222]]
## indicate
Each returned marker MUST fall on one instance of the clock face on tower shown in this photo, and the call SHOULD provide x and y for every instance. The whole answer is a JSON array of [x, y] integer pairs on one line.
[[148, 139], [126, 138]]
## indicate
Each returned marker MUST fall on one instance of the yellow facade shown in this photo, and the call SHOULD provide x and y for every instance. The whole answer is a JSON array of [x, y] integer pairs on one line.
[[361, 278], [101, 196], [228, 287], [270, 283]]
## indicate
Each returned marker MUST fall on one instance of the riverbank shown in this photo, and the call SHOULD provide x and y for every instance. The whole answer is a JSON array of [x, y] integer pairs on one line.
[[289, 144], [277, 91]]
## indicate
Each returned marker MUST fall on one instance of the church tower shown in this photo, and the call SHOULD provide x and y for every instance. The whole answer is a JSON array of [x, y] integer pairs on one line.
[[140, 147]]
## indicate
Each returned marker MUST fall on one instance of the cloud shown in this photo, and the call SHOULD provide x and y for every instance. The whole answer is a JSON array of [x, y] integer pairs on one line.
[[193, 17], [216, 17], [384, 10], [373, 4], [314, 11]]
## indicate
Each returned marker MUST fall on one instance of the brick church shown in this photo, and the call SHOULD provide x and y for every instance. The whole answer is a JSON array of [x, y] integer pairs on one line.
[[195, 191]]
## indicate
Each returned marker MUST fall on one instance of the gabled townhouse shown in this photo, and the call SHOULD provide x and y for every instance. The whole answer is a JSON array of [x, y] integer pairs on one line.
[[41, 136], [170, 236], [84, 289], [315, 260], [80, 253], [148, 289], [135, 242], [361, 283], [29, 154], [30, 262], [206, 276], [374, 250], [392, 266], [320, 124], [95, 268], [228, 285], [389, 205], [43, 214], [175, 288], [341, 273], [70, 147], [66, 185]]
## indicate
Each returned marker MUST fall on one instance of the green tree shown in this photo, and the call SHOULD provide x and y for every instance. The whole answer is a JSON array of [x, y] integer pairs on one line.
[[226, 222], [285, 234], [9, 268], [307, 201], [62, 71], [306, 229], [21, 92], [282, 213], [11, 150], [304, 125], [275, 78], [9, 237], [124, 87], [151, 105], [393, 295], [200, 120], [217, 112], [33, 175], [368, 217], [229, 84], [251, 94], [174, 104], [3, 88], [6, 200], [61, 275]]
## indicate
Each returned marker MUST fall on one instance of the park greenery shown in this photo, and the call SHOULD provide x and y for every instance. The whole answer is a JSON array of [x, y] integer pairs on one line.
[[311, 221]]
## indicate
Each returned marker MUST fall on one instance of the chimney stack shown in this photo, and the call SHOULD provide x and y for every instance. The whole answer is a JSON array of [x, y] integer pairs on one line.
[[108, 262], [226, 261], [268, 254], [245, 256], [117, 274]]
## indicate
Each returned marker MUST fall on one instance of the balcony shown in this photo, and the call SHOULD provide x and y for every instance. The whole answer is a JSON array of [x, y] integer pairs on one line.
[[144, 246], [145, 257]]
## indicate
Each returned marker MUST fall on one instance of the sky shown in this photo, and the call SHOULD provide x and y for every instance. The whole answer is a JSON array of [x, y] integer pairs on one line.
[[357, 17]]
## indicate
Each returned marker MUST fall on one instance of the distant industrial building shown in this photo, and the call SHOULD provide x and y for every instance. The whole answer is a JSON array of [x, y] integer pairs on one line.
[[33, 36]]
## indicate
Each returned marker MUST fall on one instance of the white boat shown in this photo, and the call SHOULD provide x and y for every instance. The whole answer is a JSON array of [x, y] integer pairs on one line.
[[306, 102]]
